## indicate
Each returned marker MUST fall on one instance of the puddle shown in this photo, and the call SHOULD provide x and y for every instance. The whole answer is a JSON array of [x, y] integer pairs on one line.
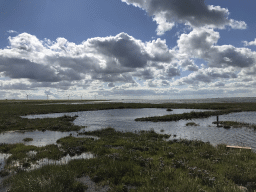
[[46, 161], [3, 157], [39, 138]]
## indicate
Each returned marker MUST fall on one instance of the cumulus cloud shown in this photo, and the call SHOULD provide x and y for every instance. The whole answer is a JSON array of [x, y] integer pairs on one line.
[[124, 64], [188, 65], [111, 85], [15, 84], [218, 84], [61, 63], [128, 51], [207, 76], [198, 42], [201, 43], [172, 72], [248, 71], [144, 74], [228, 55], [246, 43], [191, 12], [162, 24]]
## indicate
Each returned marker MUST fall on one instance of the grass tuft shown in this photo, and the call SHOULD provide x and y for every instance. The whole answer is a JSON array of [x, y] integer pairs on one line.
[[28, 139], [191, 124]]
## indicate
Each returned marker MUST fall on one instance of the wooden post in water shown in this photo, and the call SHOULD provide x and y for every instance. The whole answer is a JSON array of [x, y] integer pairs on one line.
[[217, 121]]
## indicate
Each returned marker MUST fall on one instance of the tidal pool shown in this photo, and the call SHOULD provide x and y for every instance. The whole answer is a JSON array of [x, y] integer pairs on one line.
[[39, 138]]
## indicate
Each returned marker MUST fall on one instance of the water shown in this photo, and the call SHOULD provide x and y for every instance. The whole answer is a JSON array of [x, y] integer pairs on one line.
[[94, 120], [39, 138], [123, 120], [46, 161], [3, 157]]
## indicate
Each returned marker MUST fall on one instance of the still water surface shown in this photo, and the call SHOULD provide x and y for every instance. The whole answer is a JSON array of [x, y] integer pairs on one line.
[[123, 120]]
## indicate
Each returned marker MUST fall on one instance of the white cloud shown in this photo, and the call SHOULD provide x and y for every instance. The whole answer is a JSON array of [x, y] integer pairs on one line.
[[188, 65], [61, 63], [201, 43], [194, 13], [163, 25], [11, 31], [237, 24], [206, 76], [246, 43], [198, 42], [121, 64]]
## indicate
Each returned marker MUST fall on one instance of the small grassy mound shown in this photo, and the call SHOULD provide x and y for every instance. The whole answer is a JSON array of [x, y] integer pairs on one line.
[[28, 139], [191, 124]]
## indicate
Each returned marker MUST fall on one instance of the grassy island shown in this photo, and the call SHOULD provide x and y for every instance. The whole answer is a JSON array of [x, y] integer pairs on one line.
[[191, 115]]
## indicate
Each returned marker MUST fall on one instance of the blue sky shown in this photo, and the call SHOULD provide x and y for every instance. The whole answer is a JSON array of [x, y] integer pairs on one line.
[[127, 49]]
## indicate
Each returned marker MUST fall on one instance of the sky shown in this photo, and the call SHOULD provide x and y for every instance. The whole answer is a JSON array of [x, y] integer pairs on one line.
[[127, 49]]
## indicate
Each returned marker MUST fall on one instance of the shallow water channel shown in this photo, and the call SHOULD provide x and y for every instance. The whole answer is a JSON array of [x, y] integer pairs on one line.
[[123, 120]]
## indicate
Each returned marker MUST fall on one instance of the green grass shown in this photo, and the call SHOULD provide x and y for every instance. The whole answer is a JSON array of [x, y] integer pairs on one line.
[[47, 179], [144, 161], [64, 123], [191, 115], [28, 139]]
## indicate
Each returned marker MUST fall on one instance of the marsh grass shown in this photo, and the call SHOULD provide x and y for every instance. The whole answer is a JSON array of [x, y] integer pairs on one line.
[[191, 115], [64, 123], [20, 152], [46, 179], [144, 161]]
